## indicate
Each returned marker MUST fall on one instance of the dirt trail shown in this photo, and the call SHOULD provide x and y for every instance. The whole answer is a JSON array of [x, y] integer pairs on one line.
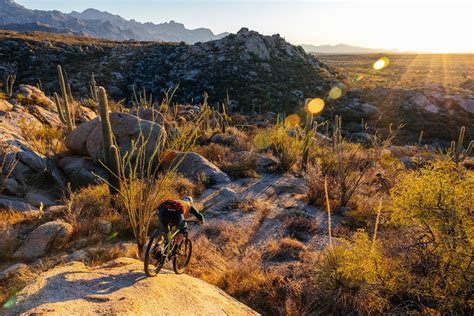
[[121, 288]]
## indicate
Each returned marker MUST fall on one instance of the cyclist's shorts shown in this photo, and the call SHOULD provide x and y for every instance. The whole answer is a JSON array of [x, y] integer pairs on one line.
[[171, 218]]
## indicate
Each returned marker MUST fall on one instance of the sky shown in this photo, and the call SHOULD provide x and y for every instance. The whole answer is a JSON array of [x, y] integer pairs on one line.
[[424, 26]]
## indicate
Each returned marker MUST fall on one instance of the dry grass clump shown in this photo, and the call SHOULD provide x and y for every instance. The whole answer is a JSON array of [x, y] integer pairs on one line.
[[10, 286], [103, 254], [352, 278], [241, 166], [85, 206], [242, 141], [298, 225], [285, 249], [248, 206], [224, 234], [45, 140], [347, 170], [213, 152]]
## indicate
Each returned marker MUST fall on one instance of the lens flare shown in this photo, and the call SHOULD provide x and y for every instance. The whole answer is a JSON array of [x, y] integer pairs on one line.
[[10, 303], [335, 93], [113, 235], [292, 120], [381, 63], [315, 106]]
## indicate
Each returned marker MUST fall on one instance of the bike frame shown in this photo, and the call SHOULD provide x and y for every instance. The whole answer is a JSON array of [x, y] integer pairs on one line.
[[171, 241]]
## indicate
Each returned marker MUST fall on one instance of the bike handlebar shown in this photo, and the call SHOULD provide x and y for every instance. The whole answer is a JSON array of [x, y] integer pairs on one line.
[[192, 221]]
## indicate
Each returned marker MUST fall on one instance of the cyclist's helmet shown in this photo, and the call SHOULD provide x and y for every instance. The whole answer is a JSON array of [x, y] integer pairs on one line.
[[188, 199]]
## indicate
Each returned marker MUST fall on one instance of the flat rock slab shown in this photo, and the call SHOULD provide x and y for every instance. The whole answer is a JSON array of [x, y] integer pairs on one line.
[[121, 288]]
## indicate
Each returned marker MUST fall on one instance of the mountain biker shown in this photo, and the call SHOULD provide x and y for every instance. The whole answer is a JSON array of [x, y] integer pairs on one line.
[[173, 213]]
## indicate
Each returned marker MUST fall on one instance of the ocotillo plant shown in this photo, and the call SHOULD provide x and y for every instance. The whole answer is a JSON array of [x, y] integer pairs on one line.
[[66, 118], [107, 137], [455, 152]]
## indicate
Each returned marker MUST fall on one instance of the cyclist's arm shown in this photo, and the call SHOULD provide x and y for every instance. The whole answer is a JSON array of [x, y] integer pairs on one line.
[[197, 214]]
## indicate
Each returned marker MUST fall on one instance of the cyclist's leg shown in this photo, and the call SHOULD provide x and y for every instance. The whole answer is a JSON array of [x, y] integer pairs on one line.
[[163, 220], [183, 227]]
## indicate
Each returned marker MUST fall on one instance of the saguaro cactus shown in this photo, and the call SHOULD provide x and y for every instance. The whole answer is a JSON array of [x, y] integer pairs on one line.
[[107, 138], [456, 153], [64, 107], [111, 154]]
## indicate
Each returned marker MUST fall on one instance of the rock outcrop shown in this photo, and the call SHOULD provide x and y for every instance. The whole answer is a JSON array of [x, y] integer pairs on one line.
[[50, 236], [86, 139], [121, 287], [195, 167]]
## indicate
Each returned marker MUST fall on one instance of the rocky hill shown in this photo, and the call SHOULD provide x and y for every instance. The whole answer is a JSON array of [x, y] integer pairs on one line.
[[252, 69], [121, 288], [98, 24]]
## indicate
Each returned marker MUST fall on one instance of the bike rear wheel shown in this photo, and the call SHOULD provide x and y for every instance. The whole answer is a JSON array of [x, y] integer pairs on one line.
[[183, 256], [150, 269]]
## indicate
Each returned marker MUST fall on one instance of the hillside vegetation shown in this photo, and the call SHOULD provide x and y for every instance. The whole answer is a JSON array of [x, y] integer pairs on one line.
[[300, 219]]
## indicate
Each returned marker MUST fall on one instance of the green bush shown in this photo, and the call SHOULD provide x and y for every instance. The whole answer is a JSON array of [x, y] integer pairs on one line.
[[437, 203]]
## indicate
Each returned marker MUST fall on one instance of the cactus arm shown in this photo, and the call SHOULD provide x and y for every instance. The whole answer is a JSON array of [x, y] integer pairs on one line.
[[114, 171], [58, 107], [64, 94]]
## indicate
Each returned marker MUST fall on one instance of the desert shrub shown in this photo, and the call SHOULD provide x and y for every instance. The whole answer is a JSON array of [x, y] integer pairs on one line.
[[225, 234], [243, 167], [346, 167], [242, 141], [8, 161], [298, 225], [183, 186], [213, 152], [46, 140], [287, 147], [262, 140], [351, 278], [85, 206], [284, 249], [437, 203]]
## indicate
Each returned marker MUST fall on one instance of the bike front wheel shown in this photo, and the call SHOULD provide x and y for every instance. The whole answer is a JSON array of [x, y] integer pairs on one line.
[[150, 258], [183, 256]]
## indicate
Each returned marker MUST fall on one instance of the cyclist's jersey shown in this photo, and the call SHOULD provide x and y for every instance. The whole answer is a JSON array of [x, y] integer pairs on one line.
[[183, 207]]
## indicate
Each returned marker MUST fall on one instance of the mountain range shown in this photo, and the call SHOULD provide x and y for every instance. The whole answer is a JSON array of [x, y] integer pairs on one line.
[[99, 24], [343, 49]]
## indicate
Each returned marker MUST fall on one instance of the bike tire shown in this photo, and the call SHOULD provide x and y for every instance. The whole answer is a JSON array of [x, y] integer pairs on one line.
[[159, 264], [188, 253]]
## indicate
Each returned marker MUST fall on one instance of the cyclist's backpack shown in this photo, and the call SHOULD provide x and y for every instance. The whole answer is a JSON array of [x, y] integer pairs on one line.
[[173, 205]]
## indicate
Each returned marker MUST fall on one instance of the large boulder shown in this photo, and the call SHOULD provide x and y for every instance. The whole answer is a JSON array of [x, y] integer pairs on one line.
[[44, 116], [153, 115], [86, 139], [81, 171], [15, 204], [120, 288], [193, 166], [50, 236], [36, 96], [420, 101]]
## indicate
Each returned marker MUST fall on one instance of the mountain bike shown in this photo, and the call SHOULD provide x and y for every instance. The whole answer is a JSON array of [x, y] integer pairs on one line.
[[180, 254]]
